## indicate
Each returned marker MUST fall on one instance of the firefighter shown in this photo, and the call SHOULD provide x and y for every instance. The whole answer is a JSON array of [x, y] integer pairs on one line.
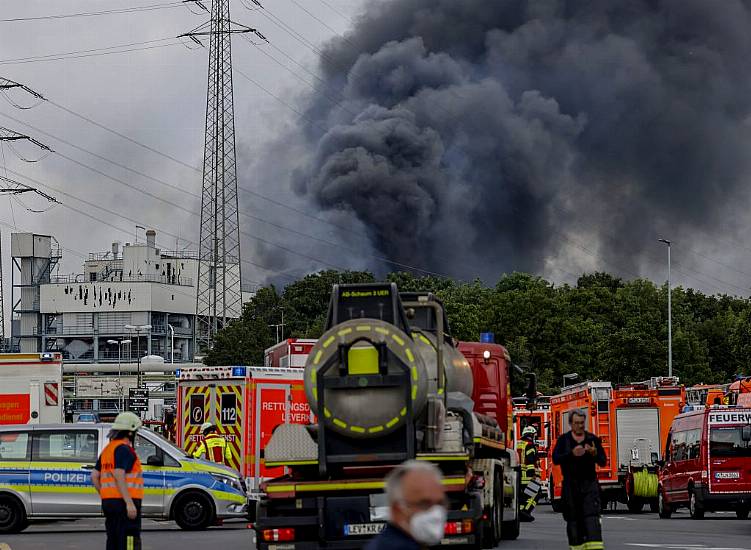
[[213, 447], [577, 452], [527, 449], [118, 478]]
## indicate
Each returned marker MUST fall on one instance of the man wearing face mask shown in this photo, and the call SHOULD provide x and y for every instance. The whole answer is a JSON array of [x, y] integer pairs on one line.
[[417, 506]]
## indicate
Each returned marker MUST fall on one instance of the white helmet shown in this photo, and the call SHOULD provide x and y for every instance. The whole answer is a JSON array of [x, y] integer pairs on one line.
[[126, 422], [205, 426], [529, 430]]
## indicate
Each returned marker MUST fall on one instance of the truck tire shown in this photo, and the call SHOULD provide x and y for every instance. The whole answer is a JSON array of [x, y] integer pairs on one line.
[[653, 506], [193, 511], [742, 513], [695, 509], [12, 515], [635, 504], [510, 529], [493, 525], [664, 510]]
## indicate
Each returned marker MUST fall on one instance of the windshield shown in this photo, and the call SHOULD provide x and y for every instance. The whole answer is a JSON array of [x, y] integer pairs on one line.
[[728, 442], [168, 444]]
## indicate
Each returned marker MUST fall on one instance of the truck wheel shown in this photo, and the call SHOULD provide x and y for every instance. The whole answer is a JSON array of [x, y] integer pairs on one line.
[[12, 515], [694, 508], [664, 510], [510, 529], [741, 513], [194, 512], [635, 505], [653, 506], [492, 531]]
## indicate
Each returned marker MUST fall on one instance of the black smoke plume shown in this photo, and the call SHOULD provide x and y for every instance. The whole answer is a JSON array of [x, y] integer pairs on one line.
[[473, 137]]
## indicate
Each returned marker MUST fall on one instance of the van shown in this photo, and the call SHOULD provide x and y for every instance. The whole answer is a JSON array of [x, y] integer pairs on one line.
[[45, 472], [707, 465]]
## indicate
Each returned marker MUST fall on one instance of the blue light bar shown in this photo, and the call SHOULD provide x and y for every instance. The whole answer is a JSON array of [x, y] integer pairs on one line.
[[487, 338], [238, 371], [177, 373]]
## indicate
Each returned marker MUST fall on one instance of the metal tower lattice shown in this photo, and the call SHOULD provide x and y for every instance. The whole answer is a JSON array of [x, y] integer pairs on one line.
[[219, 294]]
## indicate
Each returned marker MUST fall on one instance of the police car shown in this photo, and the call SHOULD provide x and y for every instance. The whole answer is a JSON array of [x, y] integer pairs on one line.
[[45, 472]]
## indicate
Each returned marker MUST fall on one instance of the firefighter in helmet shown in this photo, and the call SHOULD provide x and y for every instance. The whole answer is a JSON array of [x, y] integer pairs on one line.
[[527, 449], [213, 447]]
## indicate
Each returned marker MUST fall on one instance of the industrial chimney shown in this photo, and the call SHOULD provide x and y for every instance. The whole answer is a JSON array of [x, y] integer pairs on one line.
[[151, 238], [115, 250]]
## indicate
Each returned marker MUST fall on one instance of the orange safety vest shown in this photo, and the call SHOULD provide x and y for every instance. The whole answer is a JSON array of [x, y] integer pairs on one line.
[[215, 447], [133, 479]]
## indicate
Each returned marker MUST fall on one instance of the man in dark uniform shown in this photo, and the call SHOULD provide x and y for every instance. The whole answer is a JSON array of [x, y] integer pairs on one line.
[[417, 508], [577, 452]]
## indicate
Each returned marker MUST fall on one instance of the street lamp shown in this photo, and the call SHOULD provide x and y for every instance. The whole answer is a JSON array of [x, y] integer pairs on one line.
[[670, 315], [570, 376], [172, 343], [119, 343], [138, 329]]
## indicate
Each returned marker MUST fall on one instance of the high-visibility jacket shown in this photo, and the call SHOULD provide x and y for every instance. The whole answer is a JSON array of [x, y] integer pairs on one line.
[[133, 479], [215, 447], [527, 459]]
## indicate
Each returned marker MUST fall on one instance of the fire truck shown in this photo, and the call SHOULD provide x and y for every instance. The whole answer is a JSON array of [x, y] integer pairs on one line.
[[633, 421], [246, 404], [388, 383], [31, 388], [539, 419], [292, 352]]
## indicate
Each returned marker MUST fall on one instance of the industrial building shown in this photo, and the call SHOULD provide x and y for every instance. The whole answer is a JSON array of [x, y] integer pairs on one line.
[[129, 301]]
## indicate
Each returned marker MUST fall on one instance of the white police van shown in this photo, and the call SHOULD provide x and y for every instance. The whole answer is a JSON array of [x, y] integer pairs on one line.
[[45, 472]]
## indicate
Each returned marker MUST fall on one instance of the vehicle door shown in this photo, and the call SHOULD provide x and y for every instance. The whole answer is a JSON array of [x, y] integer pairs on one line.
[[152, 462], [61, 465], [15, 457], [679, 489], [729, 459], [666, 472]]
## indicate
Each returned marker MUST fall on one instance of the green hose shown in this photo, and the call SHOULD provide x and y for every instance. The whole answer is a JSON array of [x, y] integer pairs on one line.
[[645, 484]]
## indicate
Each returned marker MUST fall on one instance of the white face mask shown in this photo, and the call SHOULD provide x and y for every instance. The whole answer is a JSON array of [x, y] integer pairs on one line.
[[428, 527]]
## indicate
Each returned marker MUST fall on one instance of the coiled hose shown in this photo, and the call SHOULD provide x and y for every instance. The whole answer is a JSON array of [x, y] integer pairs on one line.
[[645, 484]]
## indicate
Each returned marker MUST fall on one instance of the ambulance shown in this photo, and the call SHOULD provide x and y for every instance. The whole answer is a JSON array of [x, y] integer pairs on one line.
[[289, 353], [539, 419], [246, 404], [633, 421], [31, 389], [707, 463]]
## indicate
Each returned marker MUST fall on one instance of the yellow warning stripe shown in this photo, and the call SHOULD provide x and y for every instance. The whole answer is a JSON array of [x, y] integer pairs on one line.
[[271, 488]]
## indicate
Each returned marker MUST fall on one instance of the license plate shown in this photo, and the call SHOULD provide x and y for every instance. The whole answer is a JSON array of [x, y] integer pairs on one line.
[[727, 475], [355, 529]]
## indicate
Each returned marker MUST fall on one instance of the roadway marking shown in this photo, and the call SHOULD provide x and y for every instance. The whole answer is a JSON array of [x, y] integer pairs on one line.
[[624, 518], [684, 546]]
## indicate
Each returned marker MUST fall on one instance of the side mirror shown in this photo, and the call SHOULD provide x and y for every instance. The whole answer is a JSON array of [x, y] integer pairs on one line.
[[655, 458], [746, 433], [155, 460], [531, 393]]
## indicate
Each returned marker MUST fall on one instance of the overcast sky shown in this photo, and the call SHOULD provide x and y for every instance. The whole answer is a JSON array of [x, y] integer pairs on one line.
[[157, 97]]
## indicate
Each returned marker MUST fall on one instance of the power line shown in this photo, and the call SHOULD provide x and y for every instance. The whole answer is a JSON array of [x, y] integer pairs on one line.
[[335, 10], [134, 9], [131, 47]]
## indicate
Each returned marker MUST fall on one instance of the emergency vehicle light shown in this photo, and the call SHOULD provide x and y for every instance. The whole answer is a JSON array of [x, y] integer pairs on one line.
[[238, 371]]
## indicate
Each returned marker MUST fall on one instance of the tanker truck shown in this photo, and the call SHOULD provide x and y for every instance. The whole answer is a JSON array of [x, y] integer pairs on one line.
[[388, 383]]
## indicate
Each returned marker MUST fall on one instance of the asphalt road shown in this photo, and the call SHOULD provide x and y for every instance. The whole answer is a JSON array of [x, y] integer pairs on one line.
[[621, 530]]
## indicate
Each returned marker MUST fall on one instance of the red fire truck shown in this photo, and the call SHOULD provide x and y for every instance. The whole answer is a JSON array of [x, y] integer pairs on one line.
[[633, 421], [706, 466], [292, 352], [539, 419], [246, 404]]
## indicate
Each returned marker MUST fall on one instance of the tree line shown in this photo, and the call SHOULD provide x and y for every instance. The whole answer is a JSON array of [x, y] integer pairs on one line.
[[603, 328]]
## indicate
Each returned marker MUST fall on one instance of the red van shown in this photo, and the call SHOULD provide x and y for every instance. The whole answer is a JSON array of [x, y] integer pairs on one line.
[[707, 464]]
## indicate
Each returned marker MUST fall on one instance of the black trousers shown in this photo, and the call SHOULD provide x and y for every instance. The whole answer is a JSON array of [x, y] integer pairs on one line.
[[581, 510], [122, 533]]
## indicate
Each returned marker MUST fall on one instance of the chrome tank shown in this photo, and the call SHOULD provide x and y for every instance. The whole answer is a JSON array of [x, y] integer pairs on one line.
[[368, 412]]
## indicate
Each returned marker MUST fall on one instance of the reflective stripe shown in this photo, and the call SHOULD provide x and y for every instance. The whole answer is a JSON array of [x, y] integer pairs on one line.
[[133, 479]]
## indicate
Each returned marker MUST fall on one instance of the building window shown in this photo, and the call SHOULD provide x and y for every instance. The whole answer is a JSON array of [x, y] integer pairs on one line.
[[92, 277]]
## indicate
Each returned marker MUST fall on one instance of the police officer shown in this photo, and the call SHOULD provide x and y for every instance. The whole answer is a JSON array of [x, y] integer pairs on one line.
[[527, 449], [118, 478], [577, 452], [213, 447]]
